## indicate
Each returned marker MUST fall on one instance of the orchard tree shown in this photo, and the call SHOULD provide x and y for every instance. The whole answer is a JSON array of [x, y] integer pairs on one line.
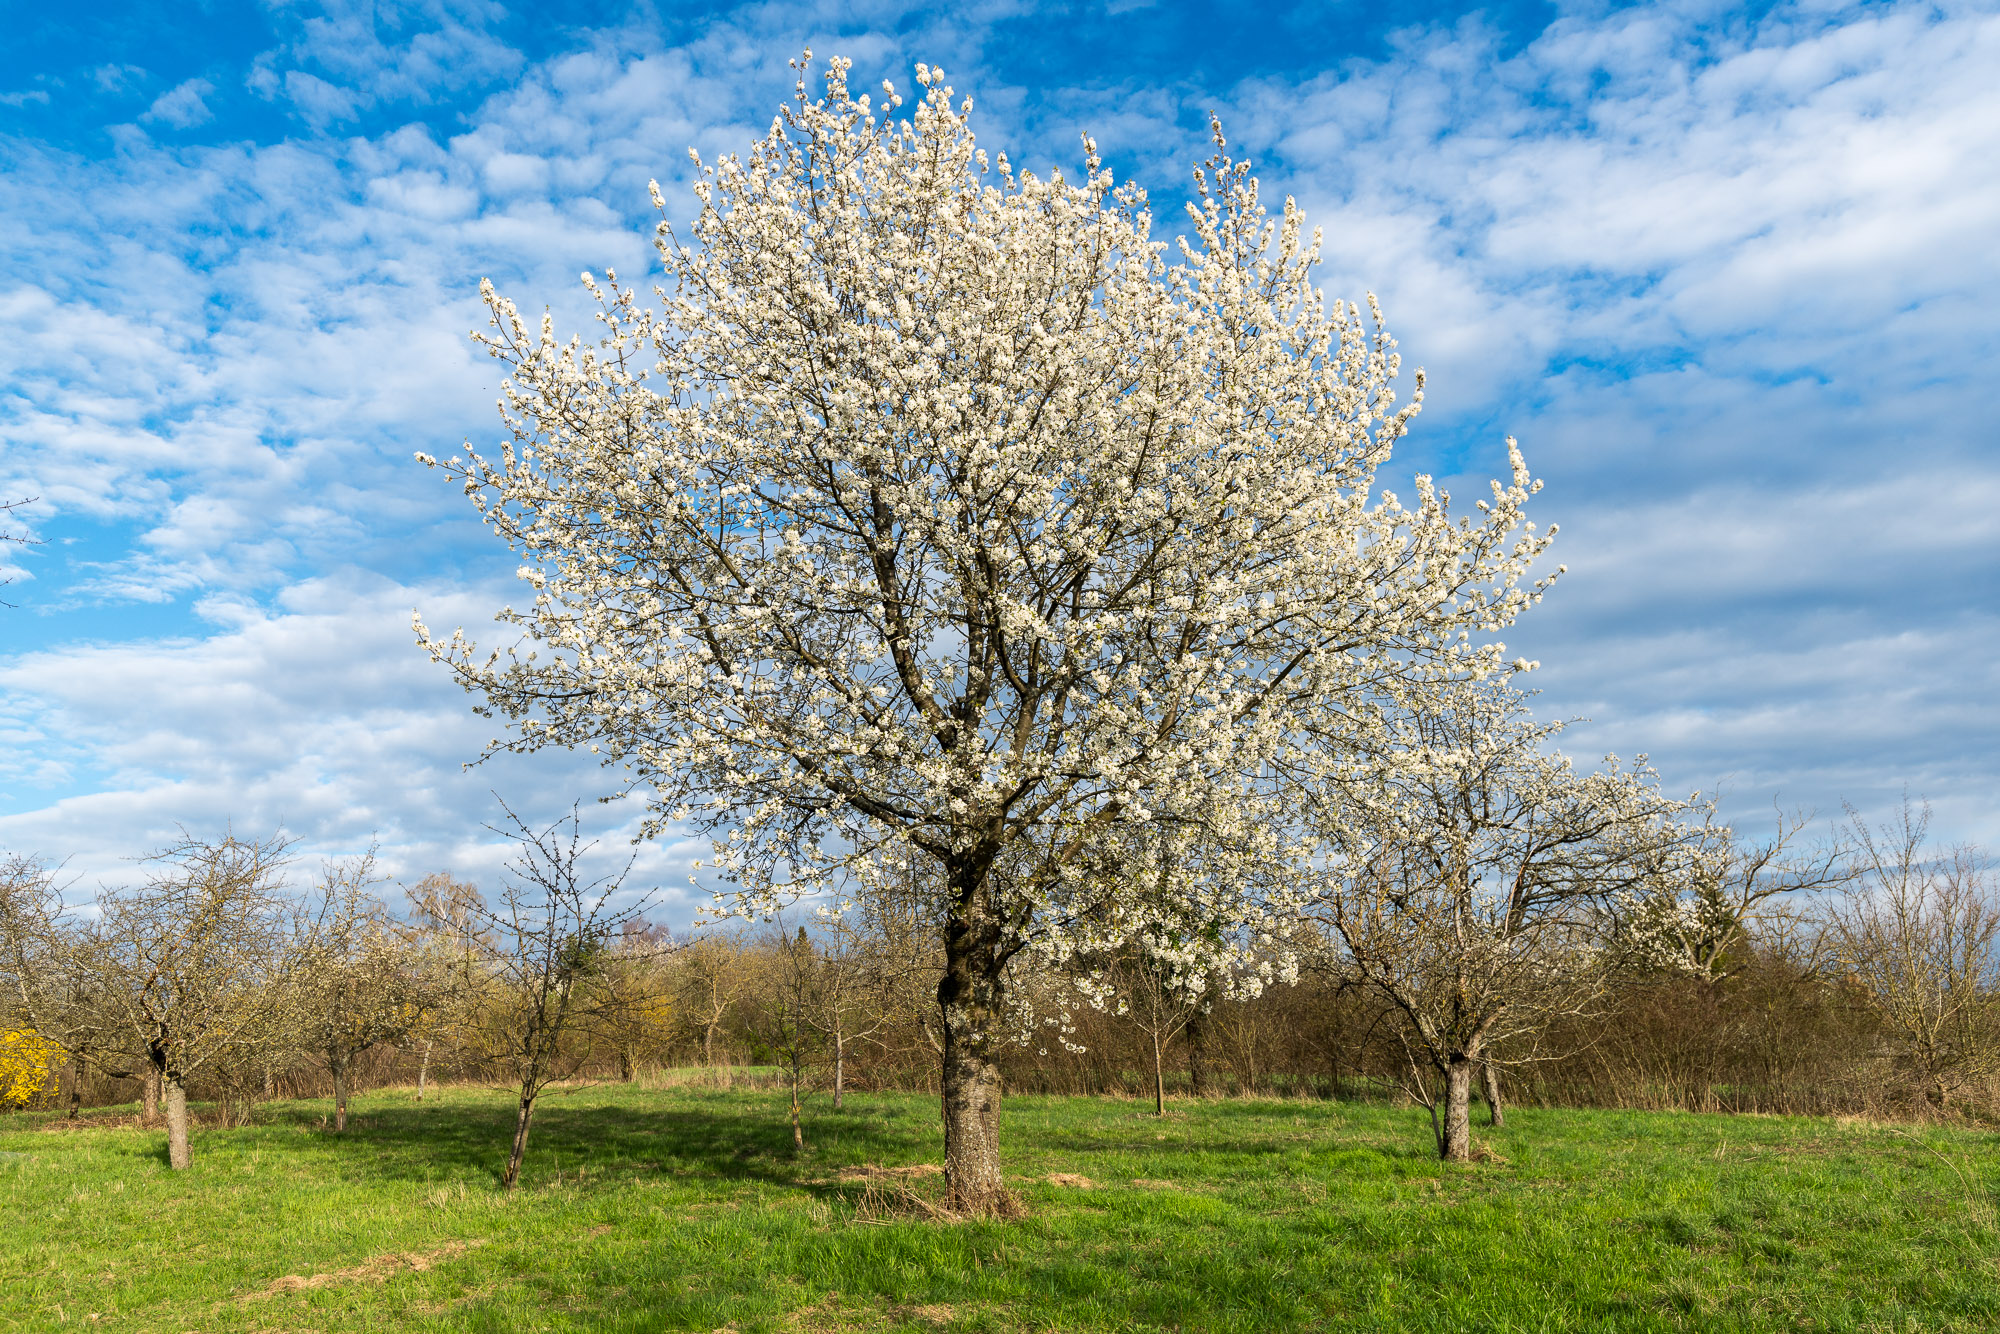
[[545, 945], [187, 971], [1470, 870], [358, 985], [447, 941], [1918, 936], [940, 514]]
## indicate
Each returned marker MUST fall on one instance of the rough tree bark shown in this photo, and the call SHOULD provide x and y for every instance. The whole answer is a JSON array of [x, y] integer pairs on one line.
[[969, 998], [179, 1155], [1456, 1139], [149, 1106], [423, 1071], [1489, 1081]]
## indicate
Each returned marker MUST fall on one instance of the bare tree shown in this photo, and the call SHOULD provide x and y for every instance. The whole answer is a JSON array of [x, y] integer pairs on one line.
[[787, 1016], [710, 974], [633, 1001], [1920, 938], [869, 979], [186, 971], [448, 941], [358, 987], [1155, 998], [545, 941], [1470, 887]]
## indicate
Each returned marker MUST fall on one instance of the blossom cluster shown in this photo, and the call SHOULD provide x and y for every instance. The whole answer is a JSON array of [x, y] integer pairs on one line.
[[933, 512]]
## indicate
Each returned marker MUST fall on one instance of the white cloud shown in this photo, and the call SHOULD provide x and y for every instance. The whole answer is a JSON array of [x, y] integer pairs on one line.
[[319, 717], [1730, 283], [182, 107]]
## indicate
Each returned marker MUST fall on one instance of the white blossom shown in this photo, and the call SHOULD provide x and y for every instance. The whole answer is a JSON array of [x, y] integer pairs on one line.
[[935, 509]]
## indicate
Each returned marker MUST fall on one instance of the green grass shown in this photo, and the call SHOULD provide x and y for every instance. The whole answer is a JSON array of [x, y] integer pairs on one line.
[[652, 1209]]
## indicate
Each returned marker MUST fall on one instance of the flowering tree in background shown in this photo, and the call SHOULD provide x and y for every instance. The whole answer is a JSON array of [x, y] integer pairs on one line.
[[942, 515]]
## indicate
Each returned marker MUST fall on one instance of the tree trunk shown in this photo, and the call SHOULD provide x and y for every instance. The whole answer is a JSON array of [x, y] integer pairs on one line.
[[626, 1072], [1197, 1067], [798, 1131], [522, 1116], [1457, 1137], [1489, 1079], [1159, 1080], [839, 1069], [149, 1105], [969, 999], [270, 1082], [75, 1088], [179, 1155], [339, 1097], [423, 1071]]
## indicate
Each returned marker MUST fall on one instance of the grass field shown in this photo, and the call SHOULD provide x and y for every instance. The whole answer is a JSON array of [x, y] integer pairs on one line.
[[685, 1209]]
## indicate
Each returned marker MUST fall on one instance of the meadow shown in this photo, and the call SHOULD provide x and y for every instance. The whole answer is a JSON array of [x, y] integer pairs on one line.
[[685, 1208]]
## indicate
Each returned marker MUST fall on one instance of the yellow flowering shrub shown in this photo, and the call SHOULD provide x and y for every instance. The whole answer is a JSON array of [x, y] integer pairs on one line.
[[27, 1066]]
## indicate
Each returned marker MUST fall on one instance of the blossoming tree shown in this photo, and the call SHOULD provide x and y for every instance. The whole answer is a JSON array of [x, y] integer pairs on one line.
[[937, 515]]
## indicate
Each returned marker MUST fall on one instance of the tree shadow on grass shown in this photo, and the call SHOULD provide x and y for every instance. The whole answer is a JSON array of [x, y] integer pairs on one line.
[[717, 1140]]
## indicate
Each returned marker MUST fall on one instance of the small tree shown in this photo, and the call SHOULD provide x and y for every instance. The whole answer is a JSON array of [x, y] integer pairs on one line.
[[1159, 1001], [868, 976], [544, 944], [943, 514], [787, 1020], [1920, 938], [633, 1000], [709, 973], [357, 987], [448, 942], [188, 970], [1469, 886]]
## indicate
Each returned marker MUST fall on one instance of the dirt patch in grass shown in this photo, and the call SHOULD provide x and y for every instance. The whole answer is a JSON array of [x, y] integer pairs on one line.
[[830, 1315], [379, 1269], [870, 1172], [1070, 1179]]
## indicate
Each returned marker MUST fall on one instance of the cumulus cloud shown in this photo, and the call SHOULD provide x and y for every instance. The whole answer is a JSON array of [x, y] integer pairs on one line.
[[1727, 279], [182, 106], [316, 716]]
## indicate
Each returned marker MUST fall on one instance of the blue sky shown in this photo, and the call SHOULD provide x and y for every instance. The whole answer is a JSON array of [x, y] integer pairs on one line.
[[1728, 273]]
